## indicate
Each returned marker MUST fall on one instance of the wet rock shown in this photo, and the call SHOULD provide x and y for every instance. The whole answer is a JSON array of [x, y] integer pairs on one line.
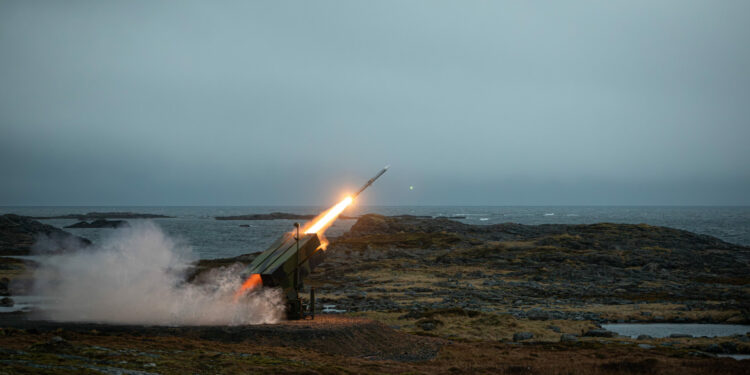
[[521, 336], [713, 348], [555, 329], [7, 302], [646, 346], [427, 326], [599, 332], [644, 337], [701, 354]]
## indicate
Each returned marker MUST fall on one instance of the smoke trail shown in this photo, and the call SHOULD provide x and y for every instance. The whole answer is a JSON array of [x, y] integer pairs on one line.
[[136, 276]]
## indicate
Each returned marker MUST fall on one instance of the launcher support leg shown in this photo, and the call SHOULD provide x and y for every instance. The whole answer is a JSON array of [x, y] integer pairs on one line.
[[312, 302]]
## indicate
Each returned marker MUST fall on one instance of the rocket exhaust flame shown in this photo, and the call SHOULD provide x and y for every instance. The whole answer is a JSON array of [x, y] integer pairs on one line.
[[251, 283], [320, 225], [325, 220]]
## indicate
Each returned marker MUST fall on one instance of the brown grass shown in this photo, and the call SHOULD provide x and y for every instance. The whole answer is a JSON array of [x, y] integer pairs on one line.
[[177, 355]]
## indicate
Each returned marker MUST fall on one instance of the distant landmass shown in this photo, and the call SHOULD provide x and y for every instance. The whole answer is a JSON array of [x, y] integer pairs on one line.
[[101, 223], [276, 216], [104, 215]]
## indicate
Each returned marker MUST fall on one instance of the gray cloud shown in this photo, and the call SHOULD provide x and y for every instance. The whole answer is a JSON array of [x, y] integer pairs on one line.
[[291, 102]]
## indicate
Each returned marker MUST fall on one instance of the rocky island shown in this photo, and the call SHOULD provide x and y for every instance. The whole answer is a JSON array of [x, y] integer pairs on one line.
[[101, 223], [275, 216]]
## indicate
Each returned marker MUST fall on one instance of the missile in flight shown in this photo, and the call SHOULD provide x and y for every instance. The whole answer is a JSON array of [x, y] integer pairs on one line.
[[370, 181]]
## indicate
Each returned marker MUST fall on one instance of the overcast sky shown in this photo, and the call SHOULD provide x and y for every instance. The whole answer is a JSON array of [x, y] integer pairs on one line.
[[294, 102]]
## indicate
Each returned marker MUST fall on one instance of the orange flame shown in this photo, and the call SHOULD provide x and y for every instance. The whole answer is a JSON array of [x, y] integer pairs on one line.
[[251, 283], [324, 220], [321, 224]]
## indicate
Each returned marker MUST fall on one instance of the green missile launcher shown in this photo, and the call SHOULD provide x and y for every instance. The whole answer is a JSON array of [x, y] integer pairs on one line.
[[285, 264]]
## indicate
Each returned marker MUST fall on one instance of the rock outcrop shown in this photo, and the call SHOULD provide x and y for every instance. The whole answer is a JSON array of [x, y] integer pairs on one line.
[[19, 233]]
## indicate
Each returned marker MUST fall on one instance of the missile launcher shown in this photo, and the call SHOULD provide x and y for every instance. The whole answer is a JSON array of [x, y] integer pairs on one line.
[[285, 264]]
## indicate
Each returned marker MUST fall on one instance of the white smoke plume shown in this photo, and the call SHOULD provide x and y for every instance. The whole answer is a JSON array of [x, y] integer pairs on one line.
[[136, 276]]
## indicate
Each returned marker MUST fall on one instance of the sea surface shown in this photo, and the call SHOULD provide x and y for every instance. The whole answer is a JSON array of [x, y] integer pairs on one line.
[[209, 238]]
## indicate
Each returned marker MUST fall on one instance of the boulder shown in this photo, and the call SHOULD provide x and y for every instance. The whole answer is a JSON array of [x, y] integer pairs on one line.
[[521, 336], [537, 314], [568, 337]]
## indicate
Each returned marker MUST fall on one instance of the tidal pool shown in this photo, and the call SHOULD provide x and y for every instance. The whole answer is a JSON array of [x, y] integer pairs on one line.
[[659, 330], [739, 357], [25, 303]]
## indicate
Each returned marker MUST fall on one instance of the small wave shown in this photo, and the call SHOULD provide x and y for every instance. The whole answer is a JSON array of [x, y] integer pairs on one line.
[[483, 218], [550, 214], [572, 215]]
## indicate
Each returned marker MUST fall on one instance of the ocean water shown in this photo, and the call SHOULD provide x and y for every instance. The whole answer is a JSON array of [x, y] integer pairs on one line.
[[210, 238]]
